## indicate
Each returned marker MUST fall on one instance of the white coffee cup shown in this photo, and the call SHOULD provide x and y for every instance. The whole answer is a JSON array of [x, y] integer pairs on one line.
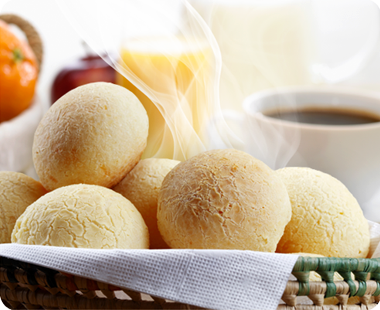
[[351, 153]]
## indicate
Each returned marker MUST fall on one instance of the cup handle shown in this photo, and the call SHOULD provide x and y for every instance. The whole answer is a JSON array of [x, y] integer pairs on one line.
[[355, 63]]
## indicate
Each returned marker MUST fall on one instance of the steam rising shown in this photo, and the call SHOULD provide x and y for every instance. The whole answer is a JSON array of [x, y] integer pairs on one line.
[[170, 61], [167, 55], [264, 44]]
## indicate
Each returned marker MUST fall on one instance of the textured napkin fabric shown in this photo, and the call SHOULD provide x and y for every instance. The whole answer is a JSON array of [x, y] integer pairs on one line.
[[215, 279]]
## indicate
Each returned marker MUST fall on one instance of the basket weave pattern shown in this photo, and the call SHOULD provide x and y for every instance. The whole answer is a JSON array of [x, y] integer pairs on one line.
[[29, 286]]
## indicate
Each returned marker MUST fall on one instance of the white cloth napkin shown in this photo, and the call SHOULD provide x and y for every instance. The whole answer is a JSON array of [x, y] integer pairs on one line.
[[215, 279], [16, 138]]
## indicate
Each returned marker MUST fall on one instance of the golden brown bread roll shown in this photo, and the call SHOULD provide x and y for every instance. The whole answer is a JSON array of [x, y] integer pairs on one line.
[[141, 186], [95, 134], [17, 192], [326, 218], [223, 199], [82, 216]]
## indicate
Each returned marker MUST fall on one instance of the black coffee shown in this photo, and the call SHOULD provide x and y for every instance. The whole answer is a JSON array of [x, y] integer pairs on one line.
[[325, 116]]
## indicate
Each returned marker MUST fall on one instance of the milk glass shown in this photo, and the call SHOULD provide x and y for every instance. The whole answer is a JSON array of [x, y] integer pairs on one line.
[[172, 68], [165, 53]]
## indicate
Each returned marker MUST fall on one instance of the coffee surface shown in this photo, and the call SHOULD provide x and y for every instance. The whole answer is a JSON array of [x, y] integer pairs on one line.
[[325, 116]]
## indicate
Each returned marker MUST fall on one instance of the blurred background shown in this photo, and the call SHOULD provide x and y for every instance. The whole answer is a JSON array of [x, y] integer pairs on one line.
[[252, 45], [340, 38]]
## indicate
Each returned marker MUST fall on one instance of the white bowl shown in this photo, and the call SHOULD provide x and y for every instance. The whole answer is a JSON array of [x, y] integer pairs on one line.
[[16, 138]]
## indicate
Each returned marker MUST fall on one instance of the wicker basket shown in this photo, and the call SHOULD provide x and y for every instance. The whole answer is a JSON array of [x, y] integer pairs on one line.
[[29, 286]]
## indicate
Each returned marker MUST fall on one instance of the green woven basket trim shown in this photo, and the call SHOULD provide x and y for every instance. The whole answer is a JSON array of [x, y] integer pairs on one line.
[[374, 266], [377, 292], [337, 264], [306, 264], [352, 286], [325, 266], [360, 276], [375, 272], [329, 264], [304, 289], [327, 276], [361, 273], [347, 275], [302, 276], [367, 265], [362, 289], [331, 289], [361, 264], [375, 276], [298, 266], [347, 265]]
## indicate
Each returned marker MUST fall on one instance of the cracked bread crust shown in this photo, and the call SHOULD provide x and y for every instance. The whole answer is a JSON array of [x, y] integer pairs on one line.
[[141, 186], [326, 217], [17, 192], [223, 199], [82, 216], [95, 134]]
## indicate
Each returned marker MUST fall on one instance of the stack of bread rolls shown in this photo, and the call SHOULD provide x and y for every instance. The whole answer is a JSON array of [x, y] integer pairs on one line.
[[96, 192]]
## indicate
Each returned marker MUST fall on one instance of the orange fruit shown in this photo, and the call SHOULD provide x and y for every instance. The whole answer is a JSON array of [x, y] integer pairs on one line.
[[18, 74]]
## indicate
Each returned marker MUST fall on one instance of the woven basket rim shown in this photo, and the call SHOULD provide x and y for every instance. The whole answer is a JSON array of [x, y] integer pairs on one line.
[[62, 288]]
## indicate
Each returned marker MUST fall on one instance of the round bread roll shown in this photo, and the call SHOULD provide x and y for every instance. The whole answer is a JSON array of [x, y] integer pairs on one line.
[[141, 186], [326, 218], [95, 134], [223, 199], [17, 192], [82, 216]]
